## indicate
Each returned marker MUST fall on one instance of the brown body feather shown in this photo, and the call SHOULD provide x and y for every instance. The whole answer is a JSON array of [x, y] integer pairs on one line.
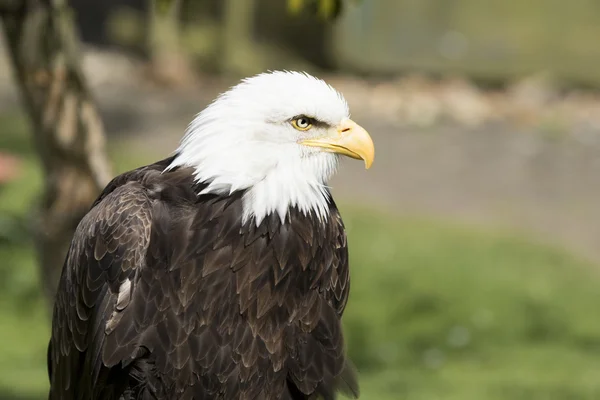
[[168, 295]]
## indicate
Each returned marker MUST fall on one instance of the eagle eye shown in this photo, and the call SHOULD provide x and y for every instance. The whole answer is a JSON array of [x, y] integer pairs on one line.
[[302, 123]]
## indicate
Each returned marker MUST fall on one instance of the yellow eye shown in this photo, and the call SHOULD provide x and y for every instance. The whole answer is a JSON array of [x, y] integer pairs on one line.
[[302, 123]]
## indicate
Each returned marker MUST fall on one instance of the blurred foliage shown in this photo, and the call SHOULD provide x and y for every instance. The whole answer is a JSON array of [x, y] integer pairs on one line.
[[323, 8], [327, 9], [126, 26], [164, 6], [494, 40], [13, 225], [436, 311], [241, 37]]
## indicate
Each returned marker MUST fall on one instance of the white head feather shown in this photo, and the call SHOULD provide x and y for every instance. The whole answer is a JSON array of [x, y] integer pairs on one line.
[[244, 141]]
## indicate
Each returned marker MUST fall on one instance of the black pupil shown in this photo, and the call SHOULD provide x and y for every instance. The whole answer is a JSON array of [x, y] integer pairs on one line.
[[303, 122]]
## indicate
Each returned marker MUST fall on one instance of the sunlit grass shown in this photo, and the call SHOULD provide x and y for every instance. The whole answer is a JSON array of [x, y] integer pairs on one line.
[[440, 311]]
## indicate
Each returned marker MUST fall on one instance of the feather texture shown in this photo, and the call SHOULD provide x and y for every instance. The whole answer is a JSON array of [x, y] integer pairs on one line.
[[169, 295]]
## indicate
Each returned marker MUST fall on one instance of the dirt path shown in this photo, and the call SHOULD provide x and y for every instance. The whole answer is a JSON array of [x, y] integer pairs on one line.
[[493, 175]]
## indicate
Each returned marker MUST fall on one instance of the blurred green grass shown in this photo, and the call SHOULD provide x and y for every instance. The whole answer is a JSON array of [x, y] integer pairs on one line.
[[442, 311], [437, 310]]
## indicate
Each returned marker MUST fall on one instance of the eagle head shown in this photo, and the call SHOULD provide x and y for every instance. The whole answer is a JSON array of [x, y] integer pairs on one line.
[[277, 137]]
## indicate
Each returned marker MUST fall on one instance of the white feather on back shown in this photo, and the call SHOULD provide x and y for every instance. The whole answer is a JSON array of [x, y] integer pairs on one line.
[[244, 141]]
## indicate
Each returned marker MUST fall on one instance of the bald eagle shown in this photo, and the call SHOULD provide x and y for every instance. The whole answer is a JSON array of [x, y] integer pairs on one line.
[[220, 272]]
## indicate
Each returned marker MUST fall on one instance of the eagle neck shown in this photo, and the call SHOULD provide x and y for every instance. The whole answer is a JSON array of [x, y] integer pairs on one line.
[[290, 179], [280, 191]]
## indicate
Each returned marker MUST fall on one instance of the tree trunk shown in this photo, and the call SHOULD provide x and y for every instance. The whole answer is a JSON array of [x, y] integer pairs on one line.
[[169, 62], [67, 129], [237, 43]]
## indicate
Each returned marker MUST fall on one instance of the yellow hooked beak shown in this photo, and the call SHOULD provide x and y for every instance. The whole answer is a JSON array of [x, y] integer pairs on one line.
[[349, 139]]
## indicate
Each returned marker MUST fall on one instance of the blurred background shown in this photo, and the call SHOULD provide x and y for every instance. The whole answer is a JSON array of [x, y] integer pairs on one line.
[[474, 238]]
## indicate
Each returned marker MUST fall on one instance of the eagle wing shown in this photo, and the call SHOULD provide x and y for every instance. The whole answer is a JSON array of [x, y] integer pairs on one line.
[[101, 272], [147, 306]]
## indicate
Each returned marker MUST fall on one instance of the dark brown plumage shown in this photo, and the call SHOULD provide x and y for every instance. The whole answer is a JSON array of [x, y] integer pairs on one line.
[[167, 295]]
